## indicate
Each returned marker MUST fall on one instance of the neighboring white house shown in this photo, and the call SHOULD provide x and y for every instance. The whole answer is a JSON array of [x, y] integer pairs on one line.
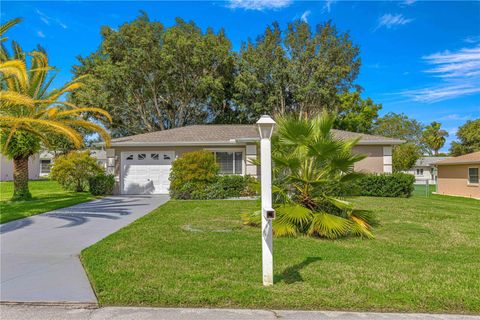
[[39, 164], [424, 170]]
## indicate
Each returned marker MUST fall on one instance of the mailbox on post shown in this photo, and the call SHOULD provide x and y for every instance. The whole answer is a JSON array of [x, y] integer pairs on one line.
[[269, 213]]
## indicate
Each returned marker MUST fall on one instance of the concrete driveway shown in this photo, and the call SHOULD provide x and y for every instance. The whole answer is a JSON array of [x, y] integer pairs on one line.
[[39, 255]]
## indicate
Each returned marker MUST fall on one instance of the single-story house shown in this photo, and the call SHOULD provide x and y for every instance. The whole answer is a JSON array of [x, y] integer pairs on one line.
[[141, 163], [39, 164], [424, 170], [459, 176]]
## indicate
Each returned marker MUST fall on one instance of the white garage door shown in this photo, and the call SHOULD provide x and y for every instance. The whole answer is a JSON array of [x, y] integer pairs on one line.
[[146, 172]]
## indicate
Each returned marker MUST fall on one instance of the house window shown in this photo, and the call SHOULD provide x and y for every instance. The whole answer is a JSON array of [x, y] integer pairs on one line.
[[45, 166], [155, 156], [473, 175], [419, 172], [229, 162], [142, 156], [130, 157]]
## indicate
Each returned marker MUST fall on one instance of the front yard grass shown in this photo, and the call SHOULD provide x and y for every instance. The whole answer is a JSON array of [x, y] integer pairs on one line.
[[425, 258], [47, 195]]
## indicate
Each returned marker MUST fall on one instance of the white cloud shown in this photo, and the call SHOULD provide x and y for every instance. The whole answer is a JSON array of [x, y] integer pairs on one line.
[[455, 117], [472, 39], [40, 34], [389, 21], [441, 92], [459, 72], [408, 2], [259, 4], [462, 63], [305, 15], [327, 6], [47, 19]]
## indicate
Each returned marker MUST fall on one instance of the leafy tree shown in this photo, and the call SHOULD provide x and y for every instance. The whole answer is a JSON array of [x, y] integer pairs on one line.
[[150, 78], [434, 137], [309, 164], [400, 126], [73, 170], [301, 72], [404, 156], [469, 138], [356, 114], [30, 112]]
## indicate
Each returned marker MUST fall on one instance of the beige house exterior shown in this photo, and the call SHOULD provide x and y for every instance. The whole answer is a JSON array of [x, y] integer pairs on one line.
[[459, 176], [39, 164], [141, 163]]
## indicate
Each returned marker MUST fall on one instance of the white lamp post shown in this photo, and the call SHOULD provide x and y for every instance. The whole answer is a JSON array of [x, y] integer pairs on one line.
[[265, 127]]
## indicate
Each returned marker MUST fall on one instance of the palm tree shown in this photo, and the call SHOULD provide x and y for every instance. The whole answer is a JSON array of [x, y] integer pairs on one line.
[[30, 113], [310, 167], [434, 137]]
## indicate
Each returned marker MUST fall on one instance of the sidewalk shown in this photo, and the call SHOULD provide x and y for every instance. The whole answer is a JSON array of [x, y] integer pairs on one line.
[[17, 312]]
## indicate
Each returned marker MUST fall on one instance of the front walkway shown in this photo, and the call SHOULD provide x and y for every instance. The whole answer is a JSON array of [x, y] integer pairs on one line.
[[39, 254], [131, 313]]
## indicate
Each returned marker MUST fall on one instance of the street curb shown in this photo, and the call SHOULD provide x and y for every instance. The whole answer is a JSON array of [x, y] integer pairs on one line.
[[67, 304]]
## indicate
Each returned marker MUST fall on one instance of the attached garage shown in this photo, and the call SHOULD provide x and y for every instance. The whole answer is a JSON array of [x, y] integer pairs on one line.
[[146, 172]]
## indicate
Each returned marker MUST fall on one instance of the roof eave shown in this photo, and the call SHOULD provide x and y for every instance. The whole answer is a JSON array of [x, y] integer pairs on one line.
[[175, 144], [459, 162]]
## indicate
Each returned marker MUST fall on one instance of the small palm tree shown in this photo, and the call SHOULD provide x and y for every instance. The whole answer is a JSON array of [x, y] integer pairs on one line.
[[310, 167], [435, 137], [30, 113]]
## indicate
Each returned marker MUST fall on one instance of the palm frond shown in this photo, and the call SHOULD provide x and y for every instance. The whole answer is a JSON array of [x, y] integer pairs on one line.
[[7, 25], [329, 226], [12, 98]]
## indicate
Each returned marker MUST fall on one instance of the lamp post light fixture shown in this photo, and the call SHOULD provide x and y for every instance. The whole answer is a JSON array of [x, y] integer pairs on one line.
[[265, 127]]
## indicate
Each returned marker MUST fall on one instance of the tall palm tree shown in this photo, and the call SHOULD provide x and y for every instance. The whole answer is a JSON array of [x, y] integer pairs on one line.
[[310, 169], [434, 137], [30, 112]]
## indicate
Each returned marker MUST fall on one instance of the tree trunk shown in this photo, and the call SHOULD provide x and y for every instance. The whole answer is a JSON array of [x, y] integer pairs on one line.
[[20, 179]]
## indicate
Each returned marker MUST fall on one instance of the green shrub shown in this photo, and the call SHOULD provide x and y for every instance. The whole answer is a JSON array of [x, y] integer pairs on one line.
[[229, 186], [198, 167], [73, 170], [101, 184], [386, 185]]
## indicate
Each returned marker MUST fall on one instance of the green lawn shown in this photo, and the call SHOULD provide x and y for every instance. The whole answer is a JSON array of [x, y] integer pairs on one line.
[[425, 258], [47, 195]]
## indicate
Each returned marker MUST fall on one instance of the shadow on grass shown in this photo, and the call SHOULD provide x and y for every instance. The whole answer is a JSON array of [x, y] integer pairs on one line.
[[292, 274]]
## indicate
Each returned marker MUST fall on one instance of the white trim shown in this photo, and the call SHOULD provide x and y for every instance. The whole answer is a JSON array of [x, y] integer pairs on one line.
[[468, 176], [242, 150], [387, 159]]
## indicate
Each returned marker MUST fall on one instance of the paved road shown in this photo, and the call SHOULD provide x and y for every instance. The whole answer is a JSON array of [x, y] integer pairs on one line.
[[124, 313], [39, 255]]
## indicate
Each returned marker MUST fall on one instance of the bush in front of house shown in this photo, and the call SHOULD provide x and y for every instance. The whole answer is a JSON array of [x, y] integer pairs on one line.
[[222, 187], [101, 184], [195, 176], [73, 170], [385, 185], [192, 168]]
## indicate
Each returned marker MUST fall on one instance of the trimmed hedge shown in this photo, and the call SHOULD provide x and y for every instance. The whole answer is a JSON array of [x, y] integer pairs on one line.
[[385, 185], [101, 184], [222, 187]]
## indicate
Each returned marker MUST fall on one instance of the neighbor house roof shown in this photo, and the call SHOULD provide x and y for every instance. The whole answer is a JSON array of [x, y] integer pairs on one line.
[[220, 134], [465, 159], [428, 161]]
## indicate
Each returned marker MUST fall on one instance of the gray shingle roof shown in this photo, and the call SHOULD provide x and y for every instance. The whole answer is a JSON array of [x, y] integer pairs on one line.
[[465, 159], [427, 161], [225, 133]]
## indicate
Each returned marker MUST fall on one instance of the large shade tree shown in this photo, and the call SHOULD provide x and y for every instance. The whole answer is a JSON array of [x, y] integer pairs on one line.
[[468, 138], [150, 77], [31, 112], [297, 70]]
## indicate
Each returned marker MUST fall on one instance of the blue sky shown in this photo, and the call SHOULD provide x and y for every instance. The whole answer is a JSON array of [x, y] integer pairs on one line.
[[420, 58]]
